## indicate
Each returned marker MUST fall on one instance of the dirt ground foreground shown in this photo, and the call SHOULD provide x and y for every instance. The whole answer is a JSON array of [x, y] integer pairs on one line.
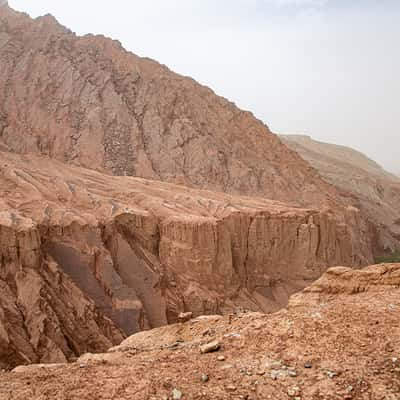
[[338, 339]]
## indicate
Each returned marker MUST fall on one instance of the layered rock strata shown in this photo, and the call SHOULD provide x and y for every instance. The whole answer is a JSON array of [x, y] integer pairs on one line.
[[144, 251]]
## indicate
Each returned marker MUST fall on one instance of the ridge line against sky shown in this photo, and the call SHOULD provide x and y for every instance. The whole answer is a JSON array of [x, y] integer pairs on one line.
[[325, 68]]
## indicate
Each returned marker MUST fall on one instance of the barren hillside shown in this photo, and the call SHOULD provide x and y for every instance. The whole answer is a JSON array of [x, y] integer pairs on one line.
[[377, 190], [87, 101]]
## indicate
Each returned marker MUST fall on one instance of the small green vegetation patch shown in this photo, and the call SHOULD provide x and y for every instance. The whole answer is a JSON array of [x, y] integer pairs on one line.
[[390, 258]]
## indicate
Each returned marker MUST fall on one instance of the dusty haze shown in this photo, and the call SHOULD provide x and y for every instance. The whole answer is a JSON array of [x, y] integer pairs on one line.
[[322, 67]]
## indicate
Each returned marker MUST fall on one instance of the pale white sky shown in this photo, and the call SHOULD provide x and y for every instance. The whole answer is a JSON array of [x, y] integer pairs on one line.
[[326, 68]]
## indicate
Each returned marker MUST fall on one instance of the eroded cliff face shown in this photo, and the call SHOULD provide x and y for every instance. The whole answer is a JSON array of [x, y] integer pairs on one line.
[[144, 251], [85, 100], [44, 316], [133, 253], [343, 344]]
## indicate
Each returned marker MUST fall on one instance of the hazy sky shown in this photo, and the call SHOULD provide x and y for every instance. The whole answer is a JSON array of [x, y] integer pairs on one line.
[[326, 68]]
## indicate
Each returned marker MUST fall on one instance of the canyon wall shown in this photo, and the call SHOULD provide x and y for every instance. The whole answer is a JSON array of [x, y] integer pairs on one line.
[[44, 316], [123, 253], [80, 249]]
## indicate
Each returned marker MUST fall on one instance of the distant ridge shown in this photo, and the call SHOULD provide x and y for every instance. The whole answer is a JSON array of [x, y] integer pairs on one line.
[[352, 171]]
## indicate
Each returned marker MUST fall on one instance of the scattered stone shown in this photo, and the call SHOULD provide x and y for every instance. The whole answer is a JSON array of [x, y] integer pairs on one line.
[[232, 335], [308, 365], [274, 375], [221, 358], [292, 373], [231, 388], [275, 365], [260, 372], [185, 316], [210, 347], [176, 394], [173, 346], [331, 374], [205, 378], [208, 332], [293, 391], [316, 315]]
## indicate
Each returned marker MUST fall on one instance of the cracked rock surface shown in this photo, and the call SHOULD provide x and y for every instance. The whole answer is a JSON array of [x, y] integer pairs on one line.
[[87, 101], [140, 252]]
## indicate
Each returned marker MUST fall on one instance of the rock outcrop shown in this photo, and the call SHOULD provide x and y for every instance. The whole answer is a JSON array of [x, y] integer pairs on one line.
[[44, 316], [343, 281], [352, 172], [343, 346], [85, 100], [145, 251]]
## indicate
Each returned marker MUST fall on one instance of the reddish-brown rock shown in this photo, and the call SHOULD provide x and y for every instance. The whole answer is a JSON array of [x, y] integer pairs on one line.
[[134, 251], [85, 100], [44, 316], [145, 251], [343, 344]]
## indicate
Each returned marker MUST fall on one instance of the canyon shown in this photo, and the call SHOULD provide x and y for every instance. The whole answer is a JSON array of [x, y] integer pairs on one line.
[[139, 252], [133, 198]]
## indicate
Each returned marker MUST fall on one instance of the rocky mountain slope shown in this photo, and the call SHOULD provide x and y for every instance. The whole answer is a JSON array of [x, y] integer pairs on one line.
[[87, 101], [90, 255], [377, 190], [144, 251], [339, 339]]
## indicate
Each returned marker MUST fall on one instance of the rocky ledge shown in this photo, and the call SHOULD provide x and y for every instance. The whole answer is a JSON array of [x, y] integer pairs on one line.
[[345, 346]]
